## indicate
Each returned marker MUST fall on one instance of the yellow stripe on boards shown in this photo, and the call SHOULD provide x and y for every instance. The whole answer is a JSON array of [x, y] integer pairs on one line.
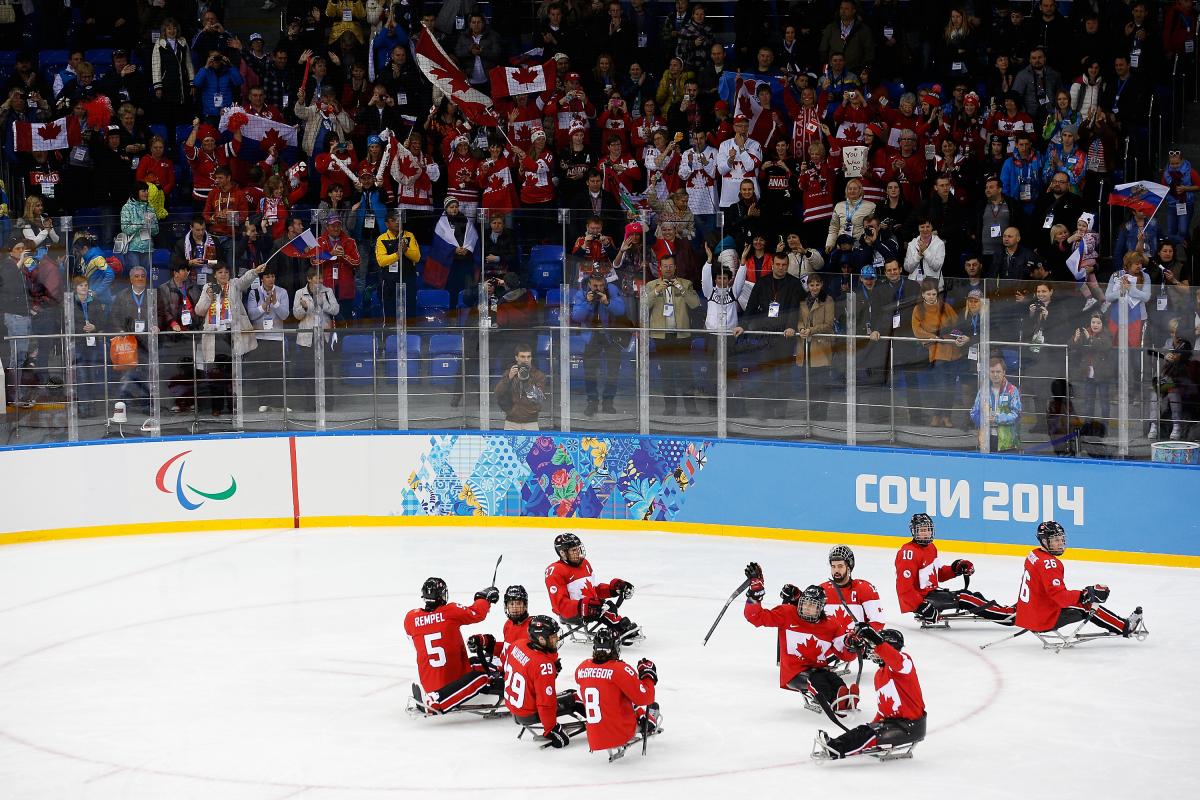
[[598, 525]]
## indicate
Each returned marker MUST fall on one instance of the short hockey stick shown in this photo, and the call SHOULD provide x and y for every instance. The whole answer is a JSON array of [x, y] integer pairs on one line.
[[838, 591], [741, 588], [1005, 639], [496, 571]]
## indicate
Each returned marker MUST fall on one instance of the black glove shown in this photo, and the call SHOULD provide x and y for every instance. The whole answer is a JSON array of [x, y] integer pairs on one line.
[[648, 719], [647, 671], [558, 737], [753, 570], [757, 591], [482, 643], [557, 666], [620, 588], [1093, 594], [868, 634], [855, 644], [590, 609], [789, 593], [962, 567], [491, 594], [927, 612]]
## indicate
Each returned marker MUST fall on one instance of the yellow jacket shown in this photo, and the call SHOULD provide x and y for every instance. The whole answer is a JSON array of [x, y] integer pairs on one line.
[[390, 261], [335, 9]]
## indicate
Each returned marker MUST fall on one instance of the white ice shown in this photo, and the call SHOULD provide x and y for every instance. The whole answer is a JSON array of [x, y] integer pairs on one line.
[[273, 665]]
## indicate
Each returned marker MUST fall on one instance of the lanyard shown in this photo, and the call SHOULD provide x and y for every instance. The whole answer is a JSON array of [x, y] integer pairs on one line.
[[851, 212], [187, 303], [139, 299], [84, 305]]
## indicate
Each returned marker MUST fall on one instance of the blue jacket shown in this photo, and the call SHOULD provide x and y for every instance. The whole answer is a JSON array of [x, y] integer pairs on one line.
[[1013, 174], [583, 313], [383, 44], [99, 274], [1127, 240], [210, 84]]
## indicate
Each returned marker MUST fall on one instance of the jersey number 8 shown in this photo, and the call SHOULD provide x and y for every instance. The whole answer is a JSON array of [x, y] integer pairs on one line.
[[591, 704], [514, 686]]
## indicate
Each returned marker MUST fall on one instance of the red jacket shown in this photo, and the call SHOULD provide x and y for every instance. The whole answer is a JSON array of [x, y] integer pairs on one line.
[[160, 172], [343, 283]]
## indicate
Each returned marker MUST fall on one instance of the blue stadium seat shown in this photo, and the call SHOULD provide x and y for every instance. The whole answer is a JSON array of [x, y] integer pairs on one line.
[[577, 344], [100, 59], [412, 353], [48, 58], [358, 362], [8, 58], [438, 299], [545, 266], [160, 130], [542, 353], [445, 359]]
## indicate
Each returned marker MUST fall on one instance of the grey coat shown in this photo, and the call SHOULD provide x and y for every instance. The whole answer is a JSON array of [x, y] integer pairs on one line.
[[244, 339]]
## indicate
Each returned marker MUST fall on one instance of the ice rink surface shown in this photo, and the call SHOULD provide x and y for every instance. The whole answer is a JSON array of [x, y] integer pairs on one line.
[[272, 665]]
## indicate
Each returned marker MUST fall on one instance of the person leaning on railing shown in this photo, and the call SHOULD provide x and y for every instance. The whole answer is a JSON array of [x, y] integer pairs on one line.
[[90, 318], [397, 258], [268, 307], [671, 301], [15, 313], [935, 323]]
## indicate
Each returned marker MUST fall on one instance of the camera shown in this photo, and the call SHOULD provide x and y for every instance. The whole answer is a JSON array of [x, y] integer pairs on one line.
[[523, 372]]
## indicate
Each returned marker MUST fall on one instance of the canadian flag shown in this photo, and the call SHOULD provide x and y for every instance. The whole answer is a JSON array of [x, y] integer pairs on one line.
[[525, 79], [35, 137], [442, 73]]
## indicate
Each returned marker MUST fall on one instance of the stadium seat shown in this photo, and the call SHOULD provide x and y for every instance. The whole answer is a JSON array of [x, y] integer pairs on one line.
[[8, 58], [412, 354], [160, 130], [438, 299], [546, 266], [358, 359], [53, 58], [445, 359], [100, 59], [543, 352]]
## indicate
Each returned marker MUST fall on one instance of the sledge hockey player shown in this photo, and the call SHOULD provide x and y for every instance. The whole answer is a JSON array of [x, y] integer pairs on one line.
[[530, 670], [919, 571], [448, 679], [484, 647], [618, 702], [809, 641], [576, 598], [900, 719], [861, 597], [1046, 604]]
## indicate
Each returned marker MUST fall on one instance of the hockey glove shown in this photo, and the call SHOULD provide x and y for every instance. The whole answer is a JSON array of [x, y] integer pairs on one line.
[[647, 671], [757, 591], [558, 666], [753, 570], [558, 737], [482, 644], [856, 644], [491, 594], [927, 612], [590, 609], [789, 594], [962, 567], [868, 634], [648, 719], [620, 588], [1093, 594]]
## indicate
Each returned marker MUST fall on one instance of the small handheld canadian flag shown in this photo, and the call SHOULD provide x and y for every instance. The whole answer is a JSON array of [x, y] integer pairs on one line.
[[34, 137]]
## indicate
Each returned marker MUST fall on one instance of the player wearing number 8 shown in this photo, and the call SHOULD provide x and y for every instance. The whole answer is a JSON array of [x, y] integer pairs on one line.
[[615, 696], [447, 677]]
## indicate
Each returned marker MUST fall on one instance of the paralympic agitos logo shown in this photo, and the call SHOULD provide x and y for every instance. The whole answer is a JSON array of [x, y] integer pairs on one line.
[[184, 490]]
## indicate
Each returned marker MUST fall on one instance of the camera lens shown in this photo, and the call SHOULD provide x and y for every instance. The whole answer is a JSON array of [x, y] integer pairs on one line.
[[522, 372]]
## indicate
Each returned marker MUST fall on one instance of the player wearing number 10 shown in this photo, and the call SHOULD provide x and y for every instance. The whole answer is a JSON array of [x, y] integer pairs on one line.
[[447, 678]]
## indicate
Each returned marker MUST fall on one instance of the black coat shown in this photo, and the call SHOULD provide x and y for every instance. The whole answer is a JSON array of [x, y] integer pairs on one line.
[[892, 299], [788, 292]]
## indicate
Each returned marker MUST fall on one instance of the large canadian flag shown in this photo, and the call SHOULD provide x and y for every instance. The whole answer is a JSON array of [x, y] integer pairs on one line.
[[442, 73], [59, 134], [525, 79], [266, 132]]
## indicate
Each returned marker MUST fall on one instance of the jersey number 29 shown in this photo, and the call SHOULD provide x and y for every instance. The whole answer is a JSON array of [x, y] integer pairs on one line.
[[514, 686]]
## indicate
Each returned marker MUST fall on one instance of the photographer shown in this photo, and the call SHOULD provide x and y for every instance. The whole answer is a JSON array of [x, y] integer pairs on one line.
[[218, 85], [521, 391], [671, 300], [599, 308]]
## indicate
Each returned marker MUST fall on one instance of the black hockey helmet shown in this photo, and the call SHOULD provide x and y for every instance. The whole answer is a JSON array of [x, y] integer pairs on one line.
[[516, 594], [565, 542], [842, 553], [918, 525], [1048, 529], [812, 595], [434, 593], [541, 630], [891, 636], [605, 646]]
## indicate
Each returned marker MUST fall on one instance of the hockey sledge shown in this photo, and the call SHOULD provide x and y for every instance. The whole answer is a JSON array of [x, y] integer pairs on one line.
[[822, 752], [944, 620], [615, 753], [416, 707], [1058, 641]]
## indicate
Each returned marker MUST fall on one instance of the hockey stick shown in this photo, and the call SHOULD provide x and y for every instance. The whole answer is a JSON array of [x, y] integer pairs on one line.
[[496, 571], [838, 591], [586, 622], [828, 709], [741, 588], [1005, 639]]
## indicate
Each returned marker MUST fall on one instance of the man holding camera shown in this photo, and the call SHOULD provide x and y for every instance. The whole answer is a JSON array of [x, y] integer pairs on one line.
[[218, 86], [521, 391], [599, 308], [671, 300]]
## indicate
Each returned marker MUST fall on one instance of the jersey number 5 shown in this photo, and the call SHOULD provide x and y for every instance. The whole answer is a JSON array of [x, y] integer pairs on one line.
[[1025, 586], [591, 704], [437, 655]]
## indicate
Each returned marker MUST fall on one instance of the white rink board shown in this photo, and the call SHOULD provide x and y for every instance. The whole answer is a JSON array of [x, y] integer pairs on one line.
[[272, 665]]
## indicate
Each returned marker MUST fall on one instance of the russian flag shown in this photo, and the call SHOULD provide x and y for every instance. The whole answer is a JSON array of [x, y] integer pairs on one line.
[[440, 257], [302, 245], [1141, 196]]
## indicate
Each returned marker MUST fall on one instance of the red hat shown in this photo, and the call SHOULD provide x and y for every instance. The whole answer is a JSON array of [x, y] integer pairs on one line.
[[577, 127], [572, 76], [931, 99], [720, 105], [877, 129], [970, 97], [741, 118], [634, 229], [207, 132]]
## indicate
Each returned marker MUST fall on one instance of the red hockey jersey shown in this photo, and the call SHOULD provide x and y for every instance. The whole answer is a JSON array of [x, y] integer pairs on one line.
[[918, 571], [569, 585], [863, 599], [802, 645], [529, 677], [1044, 593], [611, 693], [897, 690], [441, 654]]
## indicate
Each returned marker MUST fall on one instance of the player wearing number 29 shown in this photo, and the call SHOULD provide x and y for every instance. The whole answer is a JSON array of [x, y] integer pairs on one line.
[[574, 594], [919, 570], [447, 677], [1045, 603], [530, 671], [809, 641], [615, 696]]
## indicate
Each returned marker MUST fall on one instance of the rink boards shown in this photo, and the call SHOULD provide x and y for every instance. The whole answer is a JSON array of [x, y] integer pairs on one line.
[[1113, 511]]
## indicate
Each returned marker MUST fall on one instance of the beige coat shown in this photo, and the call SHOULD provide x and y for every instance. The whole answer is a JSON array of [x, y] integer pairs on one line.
[[819, 319], [244, 339], [837, 223], [683, 299], [318, 315]]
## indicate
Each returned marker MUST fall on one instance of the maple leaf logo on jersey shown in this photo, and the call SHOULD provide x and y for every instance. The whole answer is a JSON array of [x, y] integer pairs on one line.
[[496, 183], [842, 618], [50, 131], [889, 699], [811, 650]]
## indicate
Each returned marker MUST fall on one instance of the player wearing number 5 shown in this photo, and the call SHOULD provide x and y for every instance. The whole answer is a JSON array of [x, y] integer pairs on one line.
[[617, 700], [447, 677]]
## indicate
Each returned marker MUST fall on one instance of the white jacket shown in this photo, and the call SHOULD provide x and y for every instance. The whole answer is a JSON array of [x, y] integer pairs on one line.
[[928, 265], [721, 313], [314, 314]]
